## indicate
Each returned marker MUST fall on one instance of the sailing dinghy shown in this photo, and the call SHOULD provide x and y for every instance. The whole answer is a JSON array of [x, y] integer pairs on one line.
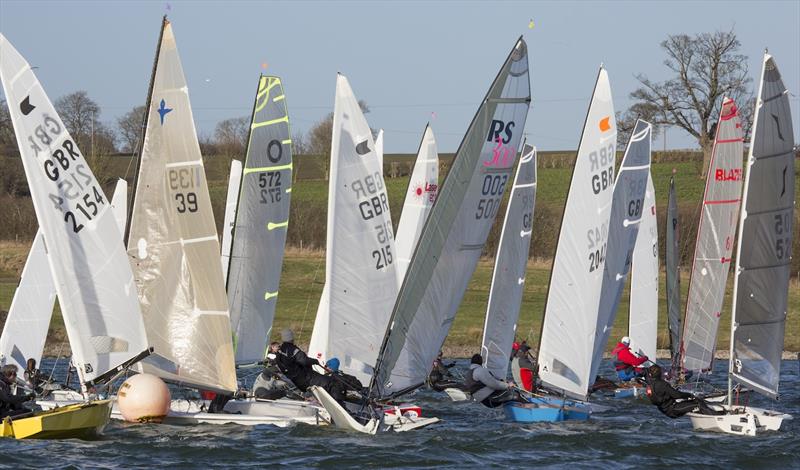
[[761, 282], [93, 282], [565, 345], [643, 308], [714, 246], [174, 249]]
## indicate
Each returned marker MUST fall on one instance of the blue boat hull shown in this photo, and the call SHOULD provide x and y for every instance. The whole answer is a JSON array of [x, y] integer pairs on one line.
[[547, 409]]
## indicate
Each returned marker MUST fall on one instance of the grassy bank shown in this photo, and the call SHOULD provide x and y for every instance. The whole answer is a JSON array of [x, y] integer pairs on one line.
[[304, 274]]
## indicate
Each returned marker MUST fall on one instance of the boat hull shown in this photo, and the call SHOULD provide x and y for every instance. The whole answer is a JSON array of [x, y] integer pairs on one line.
[[456, 394], [739, 421], [635, 391], [80, 421], [547, 410]]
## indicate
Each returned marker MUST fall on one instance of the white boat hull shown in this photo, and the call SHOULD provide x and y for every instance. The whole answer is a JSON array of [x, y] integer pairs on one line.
[[456, 394], [246, 412], [739, 421]]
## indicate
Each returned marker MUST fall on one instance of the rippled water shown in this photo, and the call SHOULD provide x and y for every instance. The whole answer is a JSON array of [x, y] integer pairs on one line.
[[633, 434]]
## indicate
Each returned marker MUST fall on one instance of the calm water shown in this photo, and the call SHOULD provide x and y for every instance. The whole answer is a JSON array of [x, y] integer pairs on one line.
[[633, 434]]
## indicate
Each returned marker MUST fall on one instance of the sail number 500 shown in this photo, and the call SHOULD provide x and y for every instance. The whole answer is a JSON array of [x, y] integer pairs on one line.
[[493, 185]]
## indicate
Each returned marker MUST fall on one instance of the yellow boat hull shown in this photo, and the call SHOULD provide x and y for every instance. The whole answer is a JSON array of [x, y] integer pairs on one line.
[[81, 421]]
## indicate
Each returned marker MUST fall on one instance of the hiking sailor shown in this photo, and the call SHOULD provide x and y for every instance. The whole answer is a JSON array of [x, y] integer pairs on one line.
[[440, 377], [672, 402], [487, 389], [297, 367], [626, 362], [349, 382], [11, 404], [523, 365], [269, 384], [33, 377]]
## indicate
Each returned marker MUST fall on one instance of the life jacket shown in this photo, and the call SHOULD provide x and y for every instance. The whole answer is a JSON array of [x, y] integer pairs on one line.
[[618, 364], [470, 384]]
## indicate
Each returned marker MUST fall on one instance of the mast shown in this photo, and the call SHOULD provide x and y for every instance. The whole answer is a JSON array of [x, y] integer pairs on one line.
[[148, 102]]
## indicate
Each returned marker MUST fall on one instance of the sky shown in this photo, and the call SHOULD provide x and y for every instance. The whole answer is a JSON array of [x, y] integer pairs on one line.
[[411, 61]]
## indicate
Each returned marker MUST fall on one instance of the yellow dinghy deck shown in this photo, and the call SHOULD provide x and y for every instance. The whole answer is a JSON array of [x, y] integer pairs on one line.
[[81, 421]]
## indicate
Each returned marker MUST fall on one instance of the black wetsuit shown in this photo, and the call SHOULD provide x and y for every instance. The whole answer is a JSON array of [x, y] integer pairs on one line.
[[666, 397], [297, 367], [10, 404]]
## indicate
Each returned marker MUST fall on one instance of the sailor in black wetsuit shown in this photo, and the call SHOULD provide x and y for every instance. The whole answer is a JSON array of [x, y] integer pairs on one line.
[[666, 397], [11, 404], [297, 367]]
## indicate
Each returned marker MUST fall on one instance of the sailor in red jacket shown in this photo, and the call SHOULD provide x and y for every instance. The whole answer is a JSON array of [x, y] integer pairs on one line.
[[626, 362]]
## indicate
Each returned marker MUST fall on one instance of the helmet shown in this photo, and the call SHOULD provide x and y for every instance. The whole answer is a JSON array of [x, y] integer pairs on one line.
[[625, 340], [332, 364]]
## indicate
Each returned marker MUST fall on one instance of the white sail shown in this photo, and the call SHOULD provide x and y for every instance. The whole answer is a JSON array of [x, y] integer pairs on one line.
[[423, 186], [360, 277], [379, 149], [570, 319], [643, 309], [511, 262], [173, 244], [714, 247], [94, 282], [231, 200], [28, 320], [119, 204], [766, 229], [458, 226]]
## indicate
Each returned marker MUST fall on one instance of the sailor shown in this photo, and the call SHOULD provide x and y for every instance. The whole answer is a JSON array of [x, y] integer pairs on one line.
[[672, 402], [297, 367], [522, 366], [486, 388], [626, 362], [11, 404], [33, 377], [350, 382], [440, 377], [269, 384]]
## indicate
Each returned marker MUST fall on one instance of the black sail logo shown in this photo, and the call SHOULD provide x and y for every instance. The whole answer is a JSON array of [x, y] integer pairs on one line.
[[778, 126], [25, 106], [362, 148]]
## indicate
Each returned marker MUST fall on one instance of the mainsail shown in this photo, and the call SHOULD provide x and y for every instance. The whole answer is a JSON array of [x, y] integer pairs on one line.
[[420, 196], [627, 208], [361, 277], [262, 218], [453, 238], [672, 262], [763, 258], [714, 246], [643, 310], [511, 262], [95, 285], [173, 245], [570, 319], [28, 320], [231, 201]]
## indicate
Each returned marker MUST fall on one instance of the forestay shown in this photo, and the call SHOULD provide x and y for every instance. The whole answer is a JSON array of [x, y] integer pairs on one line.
[[420, 196], [714, 246], [86, 260], [627, 207], [568, 330], [231, 200], [511, 262], [173, 244], [459, 223], [765, 240], [361, 277], [643, 310], [262, 219], [672, 266], [25, 330]]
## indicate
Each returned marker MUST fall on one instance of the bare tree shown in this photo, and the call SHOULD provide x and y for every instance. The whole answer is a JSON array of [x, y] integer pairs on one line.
[[706, 67], [81, 116], [320, 136], [129, 128], [231, 135]]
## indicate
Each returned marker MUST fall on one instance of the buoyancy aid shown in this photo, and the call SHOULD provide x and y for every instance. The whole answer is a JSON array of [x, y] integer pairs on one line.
[[470, 384]]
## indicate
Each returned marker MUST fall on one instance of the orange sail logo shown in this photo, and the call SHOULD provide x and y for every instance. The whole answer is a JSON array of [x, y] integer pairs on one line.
[[604, 124]]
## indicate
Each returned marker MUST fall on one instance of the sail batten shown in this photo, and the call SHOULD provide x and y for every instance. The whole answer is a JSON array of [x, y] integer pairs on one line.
[[173, 244], [714, 246], [457, 228]]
